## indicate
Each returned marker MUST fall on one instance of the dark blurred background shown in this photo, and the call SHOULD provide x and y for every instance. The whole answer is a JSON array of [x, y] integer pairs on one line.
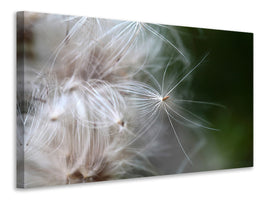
[[225, 77]]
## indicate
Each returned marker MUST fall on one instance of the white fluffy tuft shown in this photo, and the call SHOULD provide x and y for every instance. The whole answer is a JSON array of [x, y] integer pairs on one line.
[[92, 103]]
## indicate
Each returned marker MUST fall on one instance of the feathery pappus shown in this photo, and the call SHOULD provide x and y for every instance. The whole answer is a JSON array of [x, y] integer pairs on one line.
[[97, 100]]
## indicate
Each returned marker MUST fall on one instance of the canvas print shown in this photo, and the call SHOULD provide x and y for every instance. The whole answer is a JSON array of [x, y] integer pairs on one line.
[[102, 99]]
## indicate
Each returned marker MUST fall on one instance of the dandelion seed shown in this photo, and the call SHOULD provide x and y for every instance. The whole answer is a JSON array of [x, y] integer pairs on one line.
[[165, 98]]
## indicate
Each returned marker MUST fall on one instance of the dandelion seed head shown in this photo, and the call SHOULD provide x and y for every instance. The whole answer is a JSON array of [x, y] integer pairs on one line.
[[93, 105]]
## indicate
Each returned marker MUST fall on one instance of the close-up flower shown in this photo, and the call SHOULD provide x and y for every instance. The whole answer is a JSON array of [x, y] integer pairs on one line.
[[101, 99]]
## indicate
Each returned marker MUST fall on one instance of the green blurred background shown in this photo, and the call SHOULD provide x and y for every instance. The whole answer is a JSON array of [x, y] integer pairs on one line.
[[225, 77]]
